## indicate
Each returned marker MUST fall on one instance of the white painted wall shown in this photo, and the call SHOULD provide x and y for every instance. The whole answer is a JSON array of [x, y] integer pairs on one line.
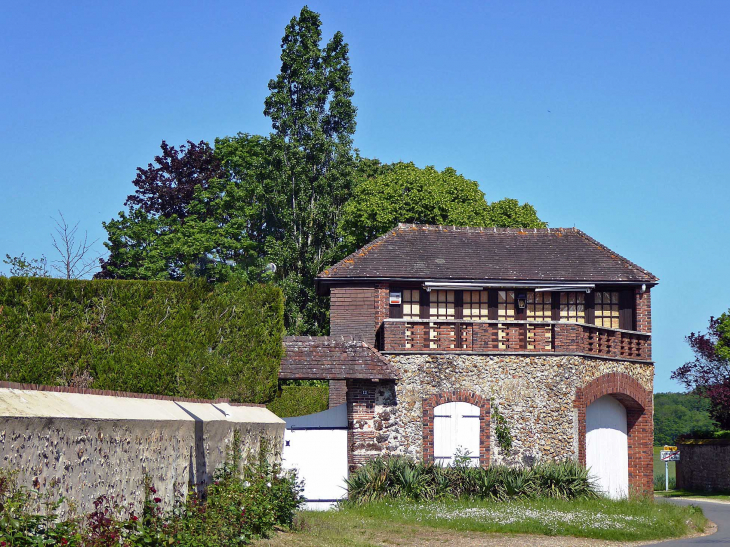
[[607, 446], [316, 446], [455, 425]]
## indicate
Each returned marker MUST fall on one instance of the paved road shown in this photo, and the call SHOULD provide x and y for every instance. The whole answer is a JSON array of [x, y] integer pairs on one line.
[[719, 513]]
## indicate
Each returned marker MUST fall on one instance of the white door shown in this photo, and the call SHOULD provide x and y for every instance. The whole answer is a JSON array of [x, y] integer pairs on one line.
[[316, 446], [456, 428], [607, 446]]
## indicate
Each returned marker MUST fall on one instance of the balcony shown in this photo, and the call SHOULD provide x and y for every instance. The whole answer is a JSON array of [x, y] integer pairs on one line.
[[424, 335]]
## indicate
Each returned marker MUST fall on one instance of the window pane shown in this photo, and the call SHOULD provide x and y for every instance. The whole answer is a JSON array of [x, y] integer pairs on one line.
[[442, 305], [411, 304]]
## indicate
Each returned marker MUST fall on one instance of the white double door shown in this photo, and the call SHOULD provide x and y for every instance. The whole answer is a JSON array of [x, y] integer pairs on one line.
[[456, 431], [607, 446]]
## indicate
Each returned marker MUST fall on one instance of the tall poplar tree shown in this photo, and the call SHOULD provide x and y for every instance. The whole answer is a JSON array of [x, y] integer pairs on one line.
[[313, 118]]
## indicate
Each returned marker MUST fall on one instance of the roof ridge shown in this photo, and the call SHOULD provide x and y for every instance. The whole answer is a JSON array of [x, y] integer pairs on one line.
[[475, 229], [628, 262]]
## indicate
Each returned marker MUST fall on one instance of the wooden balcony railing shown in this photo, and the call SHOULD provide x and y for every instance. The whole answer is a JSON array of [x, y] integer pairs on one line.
[[424, 335]]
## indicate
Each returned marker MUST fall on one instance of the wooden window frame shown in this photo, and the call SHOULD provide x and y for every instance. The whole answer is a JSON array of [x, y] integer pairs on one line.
[[542, 305], [567, 318], [484, 299], [611, 307], [438, 302]]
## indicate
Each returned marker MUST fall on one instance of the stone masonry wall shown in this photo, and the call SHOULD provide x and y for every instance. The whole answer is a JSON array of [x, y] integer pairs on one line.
[[704, 466], [84, 458], [536, 395]]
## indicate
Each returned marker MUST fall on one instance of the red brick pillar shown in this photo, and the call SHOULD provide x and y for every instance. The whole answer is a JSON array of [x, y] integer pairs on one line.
[[361, 423], [643, 316], [338, 393]]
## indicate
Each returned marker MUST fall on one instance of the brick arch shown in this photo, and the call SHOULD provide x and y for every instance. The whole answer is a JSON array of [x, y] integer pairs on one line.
[[460, 396], [638, 402]]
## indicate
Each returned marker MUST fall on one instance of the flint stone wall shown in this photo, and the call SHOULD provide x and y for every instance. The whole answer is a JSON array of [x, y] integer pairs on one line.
[[83, 446], [535, 394]]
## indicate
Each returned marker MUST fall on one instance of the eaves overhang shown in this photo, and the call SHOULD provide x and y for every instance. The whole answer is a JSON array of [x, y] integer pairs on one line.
[[323, 284]]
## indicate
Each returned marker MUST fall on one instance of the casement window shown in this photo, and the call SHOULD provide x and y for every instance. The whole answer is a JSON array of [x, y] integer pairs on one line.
[[476, 305], [573, 307], [506, 305], [606, 306], [442, 305], [539, 306], [411, 303]]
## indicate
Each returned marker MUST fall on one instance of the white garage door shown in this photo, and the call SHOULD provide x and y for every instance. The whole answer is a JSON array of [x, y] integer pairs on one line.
[[316, 446], [607, 446], [456, 428]]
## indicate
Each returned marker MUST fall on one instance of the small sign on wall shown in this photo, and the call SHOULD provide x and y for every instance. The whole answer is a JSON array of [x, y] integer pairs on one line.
[[395, 298]]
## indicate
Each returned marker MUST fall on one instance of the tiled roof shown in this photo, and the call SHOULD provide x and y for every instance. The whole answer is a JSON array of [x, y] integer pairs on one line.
[[332, 358], [420, 252]]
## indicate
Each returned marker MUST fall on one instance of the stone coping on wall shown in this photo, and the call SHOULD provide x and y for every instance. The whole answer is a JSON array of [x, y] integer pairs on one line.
[[713, 442], [37, 404], [518, 354], [110, 393]]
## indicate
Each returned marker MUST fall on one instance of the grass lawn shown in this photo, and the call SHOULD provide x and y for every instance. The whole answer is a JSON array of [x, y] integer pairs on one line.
[[401, 523], [688, 494], [659, 466]]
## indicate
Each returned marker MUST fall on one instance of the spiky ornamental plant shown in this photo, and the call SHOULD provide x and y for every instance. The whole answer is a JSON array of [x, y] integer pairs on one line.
[[313, 118]]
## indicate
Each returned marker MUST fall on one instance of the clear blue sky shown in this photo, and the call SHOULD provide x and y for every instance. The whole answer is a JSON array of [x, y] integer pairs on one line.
[[613, 117]]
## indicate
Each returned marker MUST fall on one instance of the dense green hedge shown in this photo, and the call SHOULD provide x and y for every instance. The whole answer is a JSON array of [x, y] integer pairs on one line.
[[299, 400], [170, 338]]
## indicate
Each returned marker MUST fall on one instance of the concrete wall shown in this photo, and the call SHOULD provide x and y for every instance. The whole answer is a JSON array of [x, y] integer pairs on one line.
[[83, 446], [704, 465]]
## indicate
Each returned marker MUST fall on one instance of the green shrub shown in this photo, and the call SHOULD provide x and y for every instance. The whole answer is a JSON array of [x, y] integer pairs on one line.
[[299, 400], [660, 482], [180, 339], [404, 478]]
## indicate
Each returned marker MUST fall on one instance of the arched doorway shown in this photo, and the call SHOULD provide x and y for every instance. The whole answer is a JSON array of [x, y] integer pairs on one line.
[[636, 414], [456, 418], [456, 432], [607, 446]]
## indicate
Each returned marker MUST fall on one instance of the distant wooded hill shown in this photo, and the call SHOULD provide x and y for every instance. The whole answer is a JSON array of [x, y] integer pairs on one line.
[[679, 414]]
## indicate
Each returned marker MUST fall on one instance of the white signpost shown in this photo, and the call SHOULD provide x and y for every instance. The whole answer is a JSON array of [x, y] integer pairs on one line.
[[669, 454]]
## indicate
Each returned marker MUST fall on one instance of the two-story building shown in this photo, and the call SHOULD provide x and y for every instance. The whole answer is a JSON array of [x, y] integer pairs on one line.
[[436, 328]]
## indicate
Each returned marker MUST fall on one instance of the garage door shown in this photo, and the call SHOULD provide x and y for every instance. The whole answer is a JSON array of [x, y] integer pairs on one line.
[[456, 430], [316, 446], [607, 446]]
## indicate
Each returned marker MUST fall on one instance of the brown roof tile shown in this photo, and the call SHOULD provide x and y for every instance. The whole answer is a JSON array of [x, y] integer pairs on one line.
[[332, 358], [420, 252]]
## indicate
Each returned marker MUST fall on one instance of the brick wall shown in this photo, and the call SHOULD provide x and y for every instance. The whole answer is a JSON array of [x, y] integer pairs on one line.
[[704, 465], [361, 427], [352, 312], [338, 393], [359, 311], [640, 425], [643, 310]]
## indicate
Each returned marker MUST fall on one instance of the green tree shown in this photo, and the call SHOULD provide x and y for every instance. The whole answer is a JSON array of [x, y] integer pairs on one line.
[[27, 267], [312, 157], [678, 414], [406, 193]]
